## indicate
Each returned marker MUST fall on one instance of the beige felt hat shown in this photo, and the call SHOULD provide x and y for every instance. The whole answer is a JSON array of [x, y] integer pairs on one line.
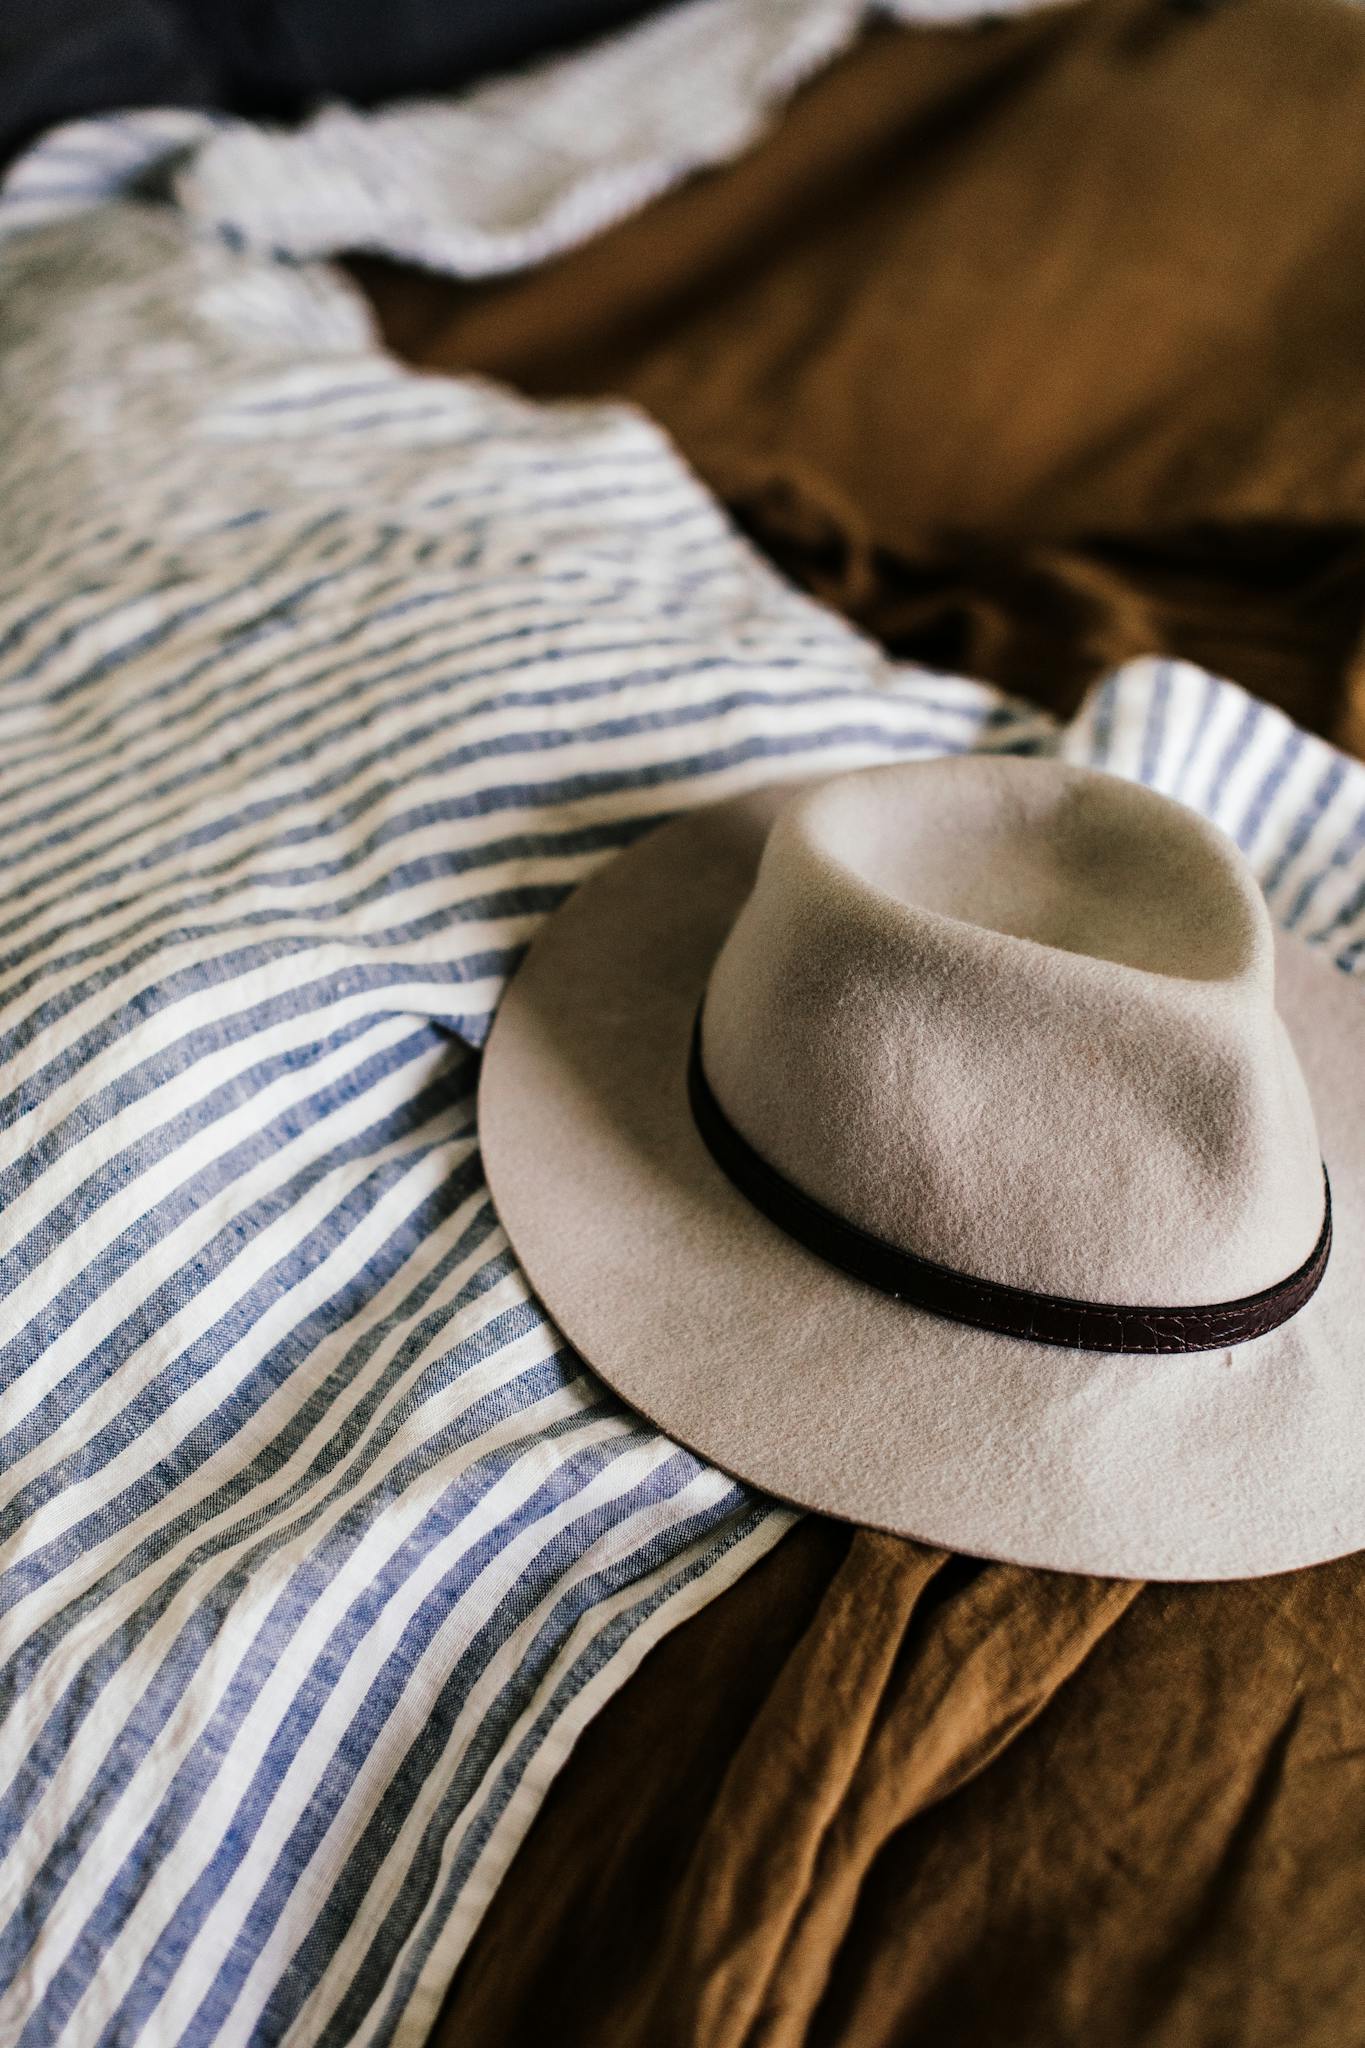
[[953, 1148]]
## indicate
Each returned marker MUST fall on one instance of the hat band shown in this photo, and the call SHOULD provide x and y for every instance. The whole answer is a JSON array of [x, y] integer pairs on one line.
[[962, 1297]]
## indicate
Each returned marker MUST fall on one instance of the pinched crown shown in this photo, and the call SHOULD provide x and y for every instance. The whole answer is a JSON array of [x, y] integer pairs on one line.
[[1018, 1018]]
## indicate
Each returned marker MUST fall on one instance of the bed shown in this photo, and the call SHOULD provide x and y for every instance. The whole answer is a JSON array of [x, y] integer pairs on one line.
[[1027, 348]]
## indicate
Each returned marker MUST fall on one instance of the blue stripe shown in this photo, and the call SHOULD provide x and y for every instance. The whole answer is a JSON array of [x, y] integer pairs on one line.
[[1269, 788], [1102, 722], [294, 1606], [360, 689], [1344, 854], [351, 1445], [180, 1285], [1301, 830], [742, 1517], [328, 1924], [497, 746], [1231, 755], [519, 1390], [281, 621], [1210, 690], [1154, 732], [217, 972]]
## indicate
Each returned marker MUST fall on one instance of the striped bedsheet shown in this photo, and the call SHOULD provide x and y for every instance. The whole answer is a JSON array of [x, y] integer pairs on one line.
[[321, 683]]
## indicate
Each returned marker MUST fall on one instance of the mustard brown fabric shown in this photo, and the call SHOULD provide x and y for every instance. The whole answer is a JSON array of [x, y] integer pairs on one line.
[[876, 1797], [1031, 348]]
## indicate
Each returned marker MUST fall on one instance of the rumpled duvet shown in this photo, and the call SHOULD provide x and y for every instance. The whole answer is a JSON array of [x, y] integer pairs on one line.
[[321, 682]]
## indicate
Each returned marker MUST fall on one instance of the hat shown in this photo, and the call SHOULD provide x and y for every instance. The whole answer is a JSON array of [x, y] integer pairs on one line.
[[954, 1148]]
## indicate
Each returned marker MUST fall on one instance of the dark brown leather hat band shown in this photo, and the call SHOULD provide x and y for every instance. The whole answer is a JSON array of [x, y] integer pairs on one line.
[[1012, 1311]]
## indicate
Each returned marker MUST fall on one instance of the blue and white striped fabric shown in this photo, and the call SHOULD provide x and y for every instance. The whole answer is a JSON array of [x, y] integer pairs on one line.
[[321, 683]]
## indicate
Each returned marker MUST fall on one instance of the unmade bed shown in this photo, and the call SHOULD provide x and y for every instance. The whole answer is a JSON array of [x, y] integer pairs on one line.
[[370, 1673]]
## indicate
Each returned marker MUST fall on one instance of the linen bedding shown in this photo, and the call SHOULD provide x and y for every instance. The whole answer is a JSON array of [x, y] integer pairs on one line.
[[1022, 1811], [323, 682], [1031, 348], [1032, 419]]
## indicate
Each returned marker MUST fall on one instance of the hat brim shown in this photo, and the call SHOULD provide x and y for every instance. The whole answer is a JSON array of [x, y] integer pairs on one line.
[[773, 1365]]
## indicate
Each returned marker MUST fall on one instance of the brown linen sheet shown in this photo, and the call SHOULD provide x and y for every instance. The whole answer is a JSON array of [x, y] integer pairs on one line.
[[1031, 348], [873, 1796]]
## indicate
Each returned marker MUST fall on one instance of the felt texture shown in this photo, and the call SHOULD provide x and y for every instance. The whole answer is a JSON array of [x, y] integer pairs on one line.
[[1019, 1019], [764, 1359]]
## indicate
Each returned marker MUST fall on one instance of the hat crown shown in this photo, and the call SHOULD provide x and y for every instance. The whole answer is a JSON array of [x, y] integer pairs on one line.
[[1018, 1018]]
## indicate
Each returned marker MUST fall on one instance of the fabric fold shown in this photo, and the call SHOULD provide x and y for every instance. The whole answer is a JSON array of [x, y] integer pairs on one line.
[[1011, 420], [1067, 1809], [920, 1678]]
